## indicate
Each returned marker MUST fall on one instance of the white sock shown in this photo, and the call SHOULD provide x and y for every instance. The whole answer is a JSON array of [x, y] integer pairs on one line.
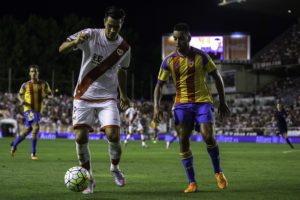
[[128, 136], [143, 140], [83, 155], [115, 151], [114, 167]]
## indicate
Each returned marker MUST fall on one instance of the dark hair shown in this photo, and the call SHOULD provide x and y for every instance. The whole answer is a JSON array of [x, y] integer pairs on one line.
[[33, 66], [182, 27], [115, 12]]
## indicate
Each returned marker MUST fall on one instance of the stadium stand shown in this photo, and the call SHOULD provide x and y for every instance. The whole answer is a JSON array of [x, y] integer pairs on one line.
[[283, 50]]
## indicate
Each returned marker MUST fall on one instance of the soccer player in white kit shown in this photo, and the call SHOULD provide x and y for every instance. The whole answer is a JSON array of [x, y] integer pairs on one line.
[[105, 58], [132, 117]]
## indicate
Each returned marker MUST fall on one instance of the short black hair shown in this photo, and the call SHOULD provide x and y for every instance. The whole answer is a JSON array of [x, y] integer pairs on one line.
[[115, 12], [182, 27], [33, 66]]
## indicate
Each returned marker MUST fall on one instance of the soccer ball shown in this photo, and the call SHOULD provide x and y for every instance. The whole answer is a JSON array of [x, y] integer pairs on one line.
[[77, 179]]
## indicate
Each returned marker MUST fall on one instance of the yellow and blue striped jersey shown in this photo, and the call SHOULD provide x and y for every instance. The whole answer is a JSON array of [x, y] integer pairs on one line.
[[154, 124], [189, 75], [34, 94]]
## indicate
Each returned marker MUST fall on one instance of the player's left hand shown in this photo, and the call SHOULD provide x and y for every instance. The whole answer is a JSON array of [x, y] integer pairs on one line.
[[124, 103], [223, 110]]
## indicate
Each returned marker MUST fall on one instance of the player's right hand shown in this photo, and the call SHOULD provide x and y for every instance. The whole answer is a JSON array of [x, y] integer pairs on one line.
[[24, 103], [124, 103], [81, 38], [157, 115], [223, 110]]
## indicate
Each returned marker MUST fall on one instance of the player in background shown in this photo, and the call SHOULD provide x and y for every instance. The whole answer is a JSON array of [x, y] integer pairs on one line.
[[154, 125], [132, 117], [174, 137], [280, 115], [105, 59], [188, 67], [31, 96]]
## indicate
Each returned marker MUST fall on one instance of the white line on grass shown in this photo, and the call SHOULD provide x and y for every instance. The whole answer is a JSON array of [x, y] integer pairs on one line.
[[290, 151]]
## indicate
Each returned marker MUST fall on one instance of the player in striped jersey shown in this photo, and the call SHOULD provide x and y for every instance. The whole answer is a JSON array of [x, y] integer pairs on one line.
[[188, 67], [31, 96], [154, 126]]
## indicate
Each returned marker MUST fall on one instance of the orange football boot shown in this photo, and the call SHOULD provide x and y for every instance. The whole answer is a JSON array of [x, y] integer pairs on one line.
[[34, 157], [191, 188], [222, 182], [12, 153]]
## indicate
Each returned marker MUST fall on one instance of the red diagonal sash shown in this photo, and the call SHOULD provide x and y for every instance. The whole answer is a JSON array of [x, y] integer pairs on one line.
[[133, 118], [99, 70]]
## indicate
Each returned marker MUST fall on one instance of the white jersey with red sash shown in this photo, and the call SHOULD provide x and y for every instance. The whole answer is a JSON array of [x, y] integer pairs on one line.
[[96, 89], [132, 115], [101, 59], [134, 119]]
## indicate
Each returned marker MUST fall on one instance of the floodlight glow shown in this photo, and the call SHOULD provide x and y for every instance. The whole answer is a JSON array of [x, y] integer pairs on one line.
[[237, 35]]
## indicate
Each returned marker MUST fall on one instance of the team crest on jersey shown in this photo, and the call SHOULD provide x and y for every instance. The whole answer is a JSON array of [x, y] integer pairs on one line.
[[120, 52], [191, 63]]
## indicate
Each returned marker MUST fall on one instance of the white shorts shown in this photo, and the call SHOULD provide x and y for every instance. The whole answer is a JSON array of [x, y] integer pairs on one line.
[[135, 126], [85, 114]]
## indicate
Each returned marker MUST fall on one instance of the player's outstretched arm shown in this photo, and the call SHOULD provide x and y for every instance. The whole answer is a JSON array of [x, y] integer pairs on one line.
[[122, 80], [67, 46], [157, 112], [223, 108], [272, 120]]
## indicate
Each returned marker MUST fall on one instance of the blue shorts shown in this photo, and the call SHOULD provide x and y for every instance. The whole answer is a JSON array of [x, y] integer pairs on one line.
[[31, 117], [194, 113]]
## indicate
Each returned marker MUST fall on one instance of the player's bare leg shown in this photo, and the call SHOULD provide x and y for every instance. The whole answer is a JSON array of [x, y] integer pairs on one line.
[[144, 145], [185, 130], [168, 143], [115, 151], [287, 140], [127, 138], [83, 154], [155, 137], [206, 130]]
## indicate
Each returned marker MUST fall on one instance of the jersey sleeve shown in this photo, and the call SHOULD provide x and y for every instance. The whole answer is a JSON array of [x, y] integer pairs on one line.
[[124, 64], [76, 35], [22, 89], [164, 72], [209, 65], [47, 88]]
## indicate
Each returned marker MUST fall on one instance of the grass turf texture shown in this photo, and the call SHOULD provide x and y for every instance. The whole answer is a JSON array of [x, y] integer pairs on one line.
[[254, 171]]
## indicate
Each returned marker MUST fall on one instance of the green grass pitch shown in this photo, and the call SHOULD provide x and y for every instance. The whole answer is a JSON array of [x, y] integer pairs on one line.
[[254, 171]]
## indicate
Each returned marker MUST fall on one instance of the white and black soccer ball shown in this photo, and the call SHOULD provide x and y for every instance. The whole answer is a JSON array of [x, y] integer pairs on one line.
[[77, 179]]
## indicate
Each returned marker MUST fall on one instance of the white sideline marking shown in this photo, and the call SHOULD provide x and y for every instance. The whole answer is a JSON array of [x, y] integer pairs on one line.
[[289, 151]]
